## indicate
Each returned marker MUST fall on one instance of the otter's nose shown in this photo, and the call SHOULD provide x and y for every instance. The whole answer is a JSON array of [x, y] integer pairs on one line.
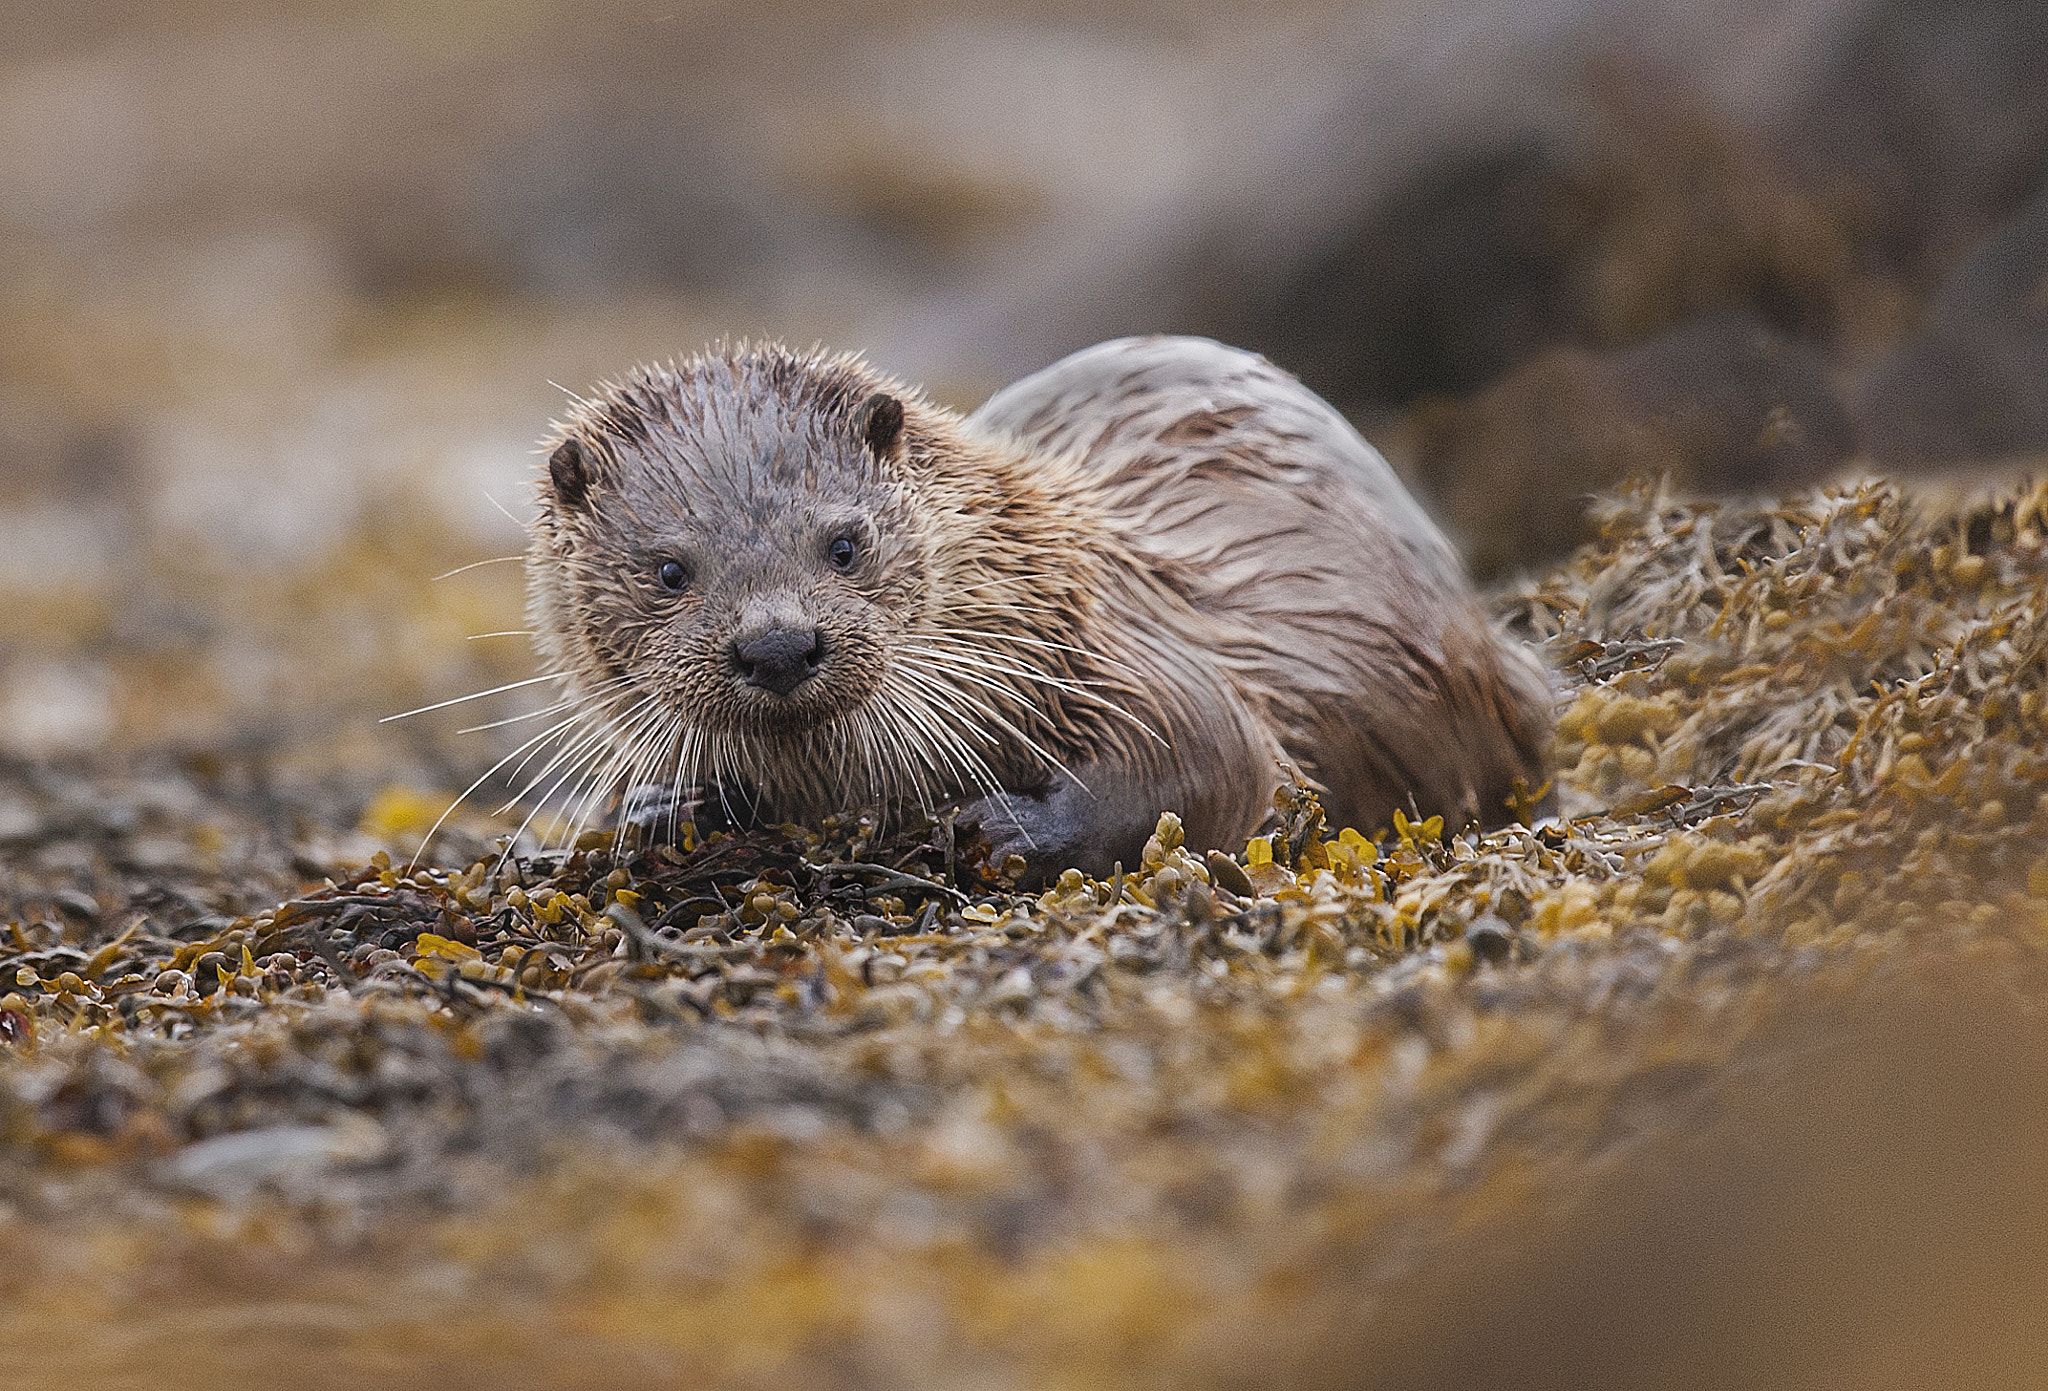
[[779, 659]]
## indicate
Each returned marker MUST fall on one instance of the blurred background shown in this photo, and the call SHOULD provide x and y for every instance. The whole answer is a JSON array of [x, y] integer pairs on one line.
[[286, 292]]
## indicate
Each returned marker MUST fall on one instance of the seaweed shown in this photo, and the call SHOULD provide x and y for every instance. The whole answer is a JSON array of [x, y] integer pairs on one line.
[[747, 1099]]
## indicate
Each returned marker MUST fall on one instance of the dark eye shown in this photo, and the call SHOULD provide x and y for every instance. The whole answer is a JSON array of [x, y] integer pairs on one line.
[[841, 552], [674, 575]]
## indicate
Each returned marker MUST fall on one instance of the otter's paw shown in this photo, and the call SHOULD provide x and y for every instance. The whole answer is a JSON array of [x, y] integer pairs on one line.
[[1060, 830], [655, 812], [652, 812]]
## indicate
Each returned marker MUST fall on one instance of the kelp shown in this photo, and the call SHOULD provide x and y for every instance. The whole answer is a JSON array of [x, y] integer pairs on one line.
[[735, 1107]]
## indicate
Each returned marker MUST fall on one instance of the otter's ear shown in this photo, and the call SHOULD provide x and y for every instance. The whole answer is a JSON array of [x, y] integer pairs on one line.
[[879, 422], [570, 473]]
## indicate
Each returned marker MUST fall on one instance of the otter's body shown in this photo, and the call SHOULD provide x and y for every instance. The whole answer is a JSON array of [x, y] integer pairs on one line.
[[1133, 582]]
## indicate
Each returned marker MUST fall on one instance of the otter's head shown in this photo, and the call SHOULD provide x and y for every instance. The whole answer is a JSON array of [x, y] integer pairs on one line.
[[725, 558], [789, 571], [731, 540]]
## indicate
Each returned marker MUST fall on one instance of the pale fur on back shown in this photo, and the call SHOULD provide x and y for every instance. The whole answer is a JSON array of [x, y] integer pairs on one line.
[[1339, 610]]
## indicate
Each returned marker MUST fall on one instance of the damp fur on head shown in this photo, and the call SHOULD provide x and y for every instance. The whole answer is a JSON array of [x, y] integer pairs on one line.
[[956, 646]]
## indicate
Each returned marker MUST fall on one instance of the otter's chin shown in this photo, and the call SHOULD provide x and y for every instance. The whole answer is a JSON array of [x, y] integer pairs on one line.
[[764, 714]]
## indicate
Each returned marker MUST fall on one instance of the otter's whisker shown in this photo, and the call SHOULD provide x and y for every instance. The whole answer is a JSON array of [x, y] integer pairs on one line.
[[569, 703], [913, 718], [931, 694], [646, 756], [484, 777], [722, 772], [577, 754], [949, 738], [539, 714], [505, 511], [983, 776], [478, 695], [983, 640], [1018, 667], [860, 724], [957, 661], [887, 744], [524, 752], [883, 738], [537, 806], [582, 721], [494, 560], [1017, 670], [909, 722], [602, 772], [1007, 725], [1008, 579], [687, 744]]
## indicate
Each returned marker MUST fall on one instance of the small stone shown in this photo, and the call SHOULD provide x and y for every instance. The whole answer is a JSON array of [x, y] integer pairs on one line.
[[78, 903], [1491, 938], [1226, 873]]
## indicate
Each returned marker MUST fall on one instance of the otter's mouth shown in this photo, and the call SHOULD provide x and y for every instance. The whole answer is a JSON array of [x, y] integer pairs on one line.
[[759, 715]]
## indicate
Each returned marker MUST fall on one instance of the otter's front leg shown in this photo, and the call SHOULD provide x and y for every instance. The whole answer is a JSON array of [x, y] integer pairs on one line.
[[1205, 756], [655, 811], [1091, 828]]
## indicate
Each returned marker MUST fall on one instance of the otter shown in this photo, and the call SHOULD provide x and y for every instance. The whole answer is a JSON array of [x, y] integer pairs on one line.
[[1137, 581]]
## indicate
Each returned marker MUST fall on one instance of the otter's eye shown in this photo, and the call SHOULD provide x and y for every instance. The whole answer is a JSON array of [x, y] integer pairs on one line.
[[674, 575], [841, 552]]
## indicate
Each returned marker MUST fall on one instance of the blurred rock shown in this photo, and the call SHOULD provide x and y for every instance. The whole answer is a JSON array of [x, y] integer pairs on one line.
[[1973, 383], [1925, 125], [1648, 209], [1721, 404], [1456, 279]]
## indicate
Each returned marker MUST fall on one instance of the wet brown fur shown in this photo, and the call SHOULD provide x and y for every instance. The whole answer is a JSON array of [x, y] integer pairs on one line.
[[1138, 571]]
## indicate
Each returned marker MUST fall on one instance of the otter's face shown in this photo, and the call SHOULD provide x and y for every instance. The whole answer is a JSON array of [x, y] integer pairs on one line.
[[728, 553]]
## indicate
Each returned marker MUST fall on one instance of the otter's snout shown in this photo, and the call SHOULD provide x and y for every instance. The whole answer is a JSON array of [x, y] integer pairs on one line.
[[778, 659]]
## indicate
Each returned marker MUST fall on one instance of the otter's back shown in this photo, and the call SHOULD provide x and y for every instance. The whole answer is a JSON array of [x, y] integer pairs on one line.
[[1344, 610], [1182, 429]]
